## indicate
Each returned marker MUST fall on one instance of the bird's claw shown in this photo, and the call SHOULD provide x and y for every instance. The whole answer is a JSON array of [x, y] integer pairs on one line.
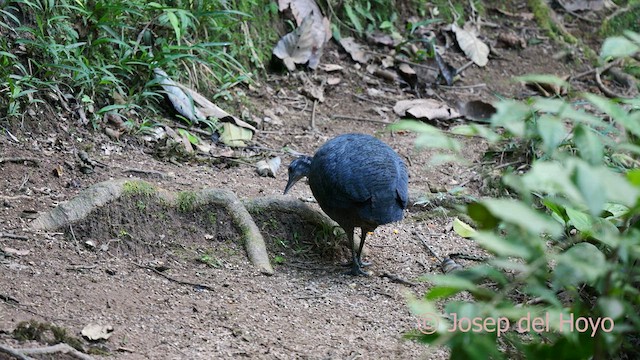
[[357, 271], [362, 263]]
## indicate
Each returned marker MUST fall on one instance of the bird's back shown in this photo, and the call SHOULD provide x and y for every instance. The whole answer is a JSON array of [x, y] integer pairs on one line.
[[359, 181]]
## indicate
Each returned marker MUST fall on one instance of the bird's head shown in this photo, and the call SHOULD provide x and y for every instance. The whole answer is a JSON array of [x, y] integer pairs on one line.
[[298, 169]]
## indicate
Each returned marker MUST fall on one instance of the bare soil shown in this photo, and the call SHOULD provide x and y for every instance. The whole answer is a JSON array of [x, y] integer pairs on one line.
[[308, 309]]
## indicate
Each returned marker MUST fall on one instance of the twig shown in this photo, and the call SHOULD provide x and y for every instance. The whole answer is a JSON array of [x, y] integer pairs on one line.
[[181, 282], [58, 348], [458, 87], [17, 160], [464, 67], [369, 100], [610, 93], [564, 7], [396, 279], [13, 236], [404, 61], [313, 115], [345, 117], [311, 297], [424, 241], [147, 172]]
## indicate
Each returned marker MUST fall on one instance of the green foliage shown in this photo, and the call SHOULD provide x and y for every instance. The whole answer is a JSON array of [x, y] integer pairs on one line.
[[564, 276], [623, 20], [368, 16], [102, 53]]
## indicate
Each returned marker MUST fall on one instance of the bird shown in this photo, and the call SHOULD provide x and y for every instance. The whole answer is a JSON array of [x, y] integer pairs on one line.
[[359, 181]]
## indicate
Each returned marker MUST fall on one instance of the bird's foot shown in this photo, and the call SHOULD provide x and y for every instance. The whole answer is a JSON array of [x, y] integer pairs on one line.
[[362, 263], [356, 271]]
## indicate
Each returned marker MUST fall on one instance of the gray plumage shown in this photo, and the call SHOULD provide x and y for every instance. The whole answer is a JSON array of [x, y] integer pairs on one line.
[[358, 181]]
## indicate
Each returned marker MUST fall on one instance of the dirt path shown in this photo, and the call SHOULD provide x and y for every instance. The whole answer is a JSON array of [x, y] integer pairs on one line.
[[307, 309]]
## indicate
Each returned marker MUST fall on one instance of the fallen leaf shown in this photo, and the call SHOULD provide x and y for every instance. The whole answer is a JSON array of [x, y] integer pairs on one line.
[[319, 31], [270, 167], [233, 135], [178, 98], [476, 110], [296, 47], [95, 332], [354, 49], [331, 67], [425, 109], [511, 40], [473, 48], [16, 252], [334, 80], [463, 229], [447, 71]]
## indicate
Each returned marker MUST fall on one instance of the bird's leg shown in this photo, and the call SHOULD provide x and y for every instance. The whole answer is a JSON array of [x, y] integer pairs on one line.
[[364, 236], [355, 256], [359, 252]]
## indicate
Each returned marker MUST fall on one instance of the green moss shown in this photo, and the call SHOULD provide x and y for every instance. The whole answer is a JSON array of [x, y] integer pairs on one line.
[[43, 332], [186, 201], [136, 187], [212, 217]]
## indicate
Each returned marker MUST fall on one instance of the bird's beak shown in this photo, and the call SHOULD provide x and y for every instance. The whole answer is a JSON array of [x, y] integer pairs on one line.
[[292, 180]]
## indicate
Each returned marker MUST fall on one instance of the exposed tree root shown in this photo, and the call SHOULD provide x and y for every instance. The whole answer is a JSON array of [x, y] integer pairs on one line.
[[98, 195], [22, 354]]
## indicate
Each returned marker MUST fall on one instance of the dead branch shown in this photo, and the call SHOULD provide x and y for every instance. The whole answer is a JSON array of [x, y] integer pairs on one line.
[[397, 279], [344, 117], [419, 199], [170, 278], [159, 174], [18, 160], [48, 350], [13, 236]]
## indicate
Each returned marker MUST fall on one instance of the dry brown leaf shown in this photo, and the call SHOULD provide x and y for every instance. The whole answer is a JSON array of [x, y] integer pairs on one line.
[[296, 47], [511, 40], [319, 30], [334, 80], [354, 49], [476, 110], [473, 48], [331, 67], [268, 168], [425, 109], [97, 332], [549, 90]]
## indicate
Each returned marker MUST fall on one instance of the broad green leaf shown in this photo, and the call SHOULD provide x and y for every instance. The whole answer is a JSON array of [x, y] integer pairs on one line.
[[543, 79], [618, 46], [564, 110], [634, 177], [591, 186], [192, 138], [463, 229], [631, 122], [552, 132], [511, 115], [476, 129], [582, 263], [355, 20], [447, 285], [173, 19], [518, 213], [429, 136], [590, 145], [581, 221], [556, 209], [482, 216], [501, 246]]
